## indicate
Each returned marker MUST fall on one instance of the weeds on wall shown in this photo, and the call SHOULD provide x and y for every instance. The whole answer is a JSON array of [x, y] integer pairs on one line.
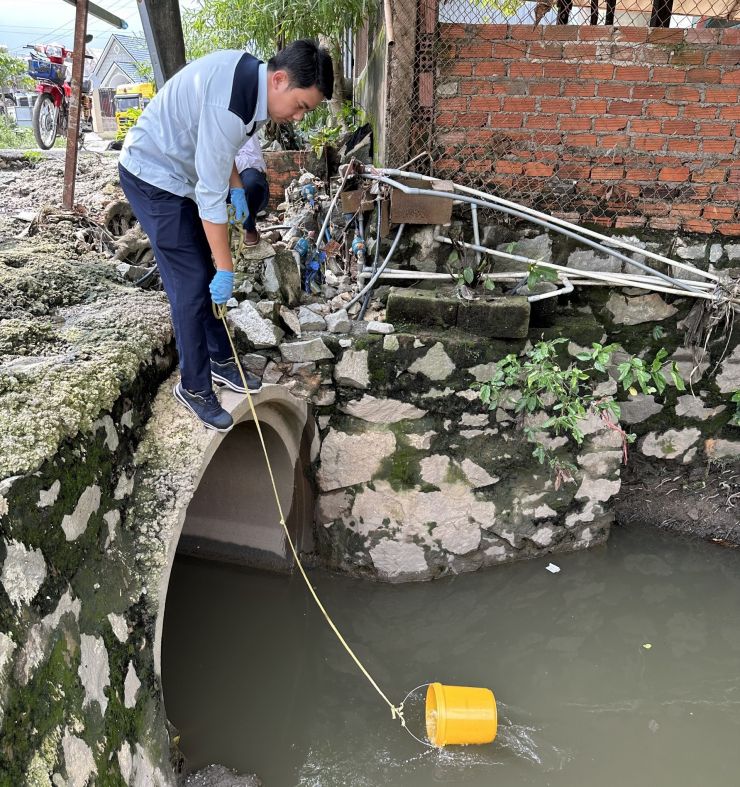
[[735, 420], [567, 394], [469, 275]]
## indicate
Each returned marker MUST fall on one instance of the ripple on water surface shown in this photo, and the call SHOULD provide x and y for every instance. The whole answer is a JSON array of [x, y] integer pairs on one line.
[[254, 678]]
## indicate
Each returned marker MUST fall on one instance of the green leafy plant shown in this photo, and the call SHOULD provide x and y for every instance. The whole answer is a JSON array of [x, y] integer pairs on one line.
[[537, 273], [566, 394], [314, 119], [132, 113], [649, 377], [504, 8], [19, 138], [145, 72], [12, 72], [465, 274], [350, 116], [33, 157], [658, 332], [265, 26], [321, 137], [735, 420]]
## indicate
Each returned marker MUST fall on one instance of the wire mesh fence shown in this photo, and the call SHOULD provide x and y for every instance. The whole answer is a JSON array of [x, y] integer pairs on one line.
[[623, 113]]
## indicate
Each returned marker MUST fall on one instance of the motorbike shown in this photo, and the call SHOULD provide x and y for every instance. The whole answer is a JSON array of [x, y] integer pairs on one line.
[[46, 64]]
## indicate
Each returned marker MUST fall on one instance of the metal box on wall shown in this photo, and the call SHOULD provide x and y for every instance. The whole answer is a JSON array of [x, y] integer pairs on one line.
[[421, 209]]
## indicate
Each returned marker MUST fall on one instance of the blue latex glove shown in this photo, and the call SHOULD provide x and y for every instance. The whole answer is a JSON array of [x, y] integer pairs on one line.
[[239, 203], [222, 285]]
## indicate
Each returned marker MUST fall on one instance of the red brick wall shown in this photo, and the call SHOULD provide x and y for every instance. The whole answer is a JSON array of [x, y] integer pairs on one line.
[[283, 168], [645, 121]]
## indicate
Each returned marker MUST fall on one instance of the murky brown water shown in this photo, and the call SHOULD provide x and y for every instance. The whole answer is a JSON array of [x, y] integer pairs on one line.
[[255, 679]]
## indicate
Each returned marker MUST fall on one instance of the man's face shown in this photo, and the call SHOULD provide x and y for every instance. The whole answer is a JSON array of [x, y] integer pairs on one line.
[[286, 104]]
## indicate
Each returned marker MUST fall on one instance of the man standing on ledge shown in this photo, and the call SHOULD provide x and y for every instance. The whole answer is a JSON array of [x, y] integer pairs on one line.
[[177, 169]]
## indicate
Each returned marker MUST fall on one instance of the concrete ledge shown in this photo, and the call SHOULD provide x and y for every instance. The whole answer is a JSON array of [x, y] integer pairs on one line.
[[499, 318], [493, 318], [407, 307]]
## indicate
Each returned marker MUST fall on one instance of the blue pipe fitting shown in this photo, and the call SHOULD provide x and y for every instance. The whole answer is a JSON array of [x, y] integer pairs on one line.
[[301, 247]]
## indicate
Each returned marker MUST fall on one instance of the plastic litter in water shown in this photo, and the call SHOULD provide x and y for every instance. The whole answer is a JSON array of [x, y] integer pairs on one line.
[[552, 568]]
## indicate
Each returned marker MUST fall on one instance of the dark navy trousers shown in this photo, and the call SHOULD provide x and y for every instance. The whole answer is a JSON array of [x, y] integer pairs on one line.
[[257, 193], [184, 260]]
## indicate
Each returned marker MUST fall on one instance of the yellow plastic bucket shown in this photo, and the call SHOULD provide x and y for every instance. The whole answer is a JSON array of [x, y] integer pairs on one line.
[[459, 714]]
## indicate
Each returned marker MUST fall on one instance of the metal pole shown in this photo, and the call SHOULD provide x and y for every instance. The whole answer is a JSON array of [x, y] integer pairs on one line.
[[73, 122], [159, 78]]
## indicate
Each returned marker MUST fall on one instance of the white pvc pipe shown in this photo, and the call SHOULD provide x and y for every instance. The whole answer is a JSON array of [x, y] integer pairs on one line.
[[560, 222], [402, 275], [320, 239], [620, 279], [629, 279], [476, 233], [487, 204], [567, 287]]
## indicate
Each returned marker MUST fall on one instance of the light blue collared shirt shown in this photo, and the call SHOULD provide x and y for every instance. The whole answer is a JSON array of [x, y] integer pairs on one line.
[[187, 138]]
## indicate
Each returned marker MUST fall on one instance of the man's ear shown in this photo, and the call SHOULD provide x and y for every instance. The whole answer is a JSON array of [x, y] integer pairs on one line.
[[279, 79]]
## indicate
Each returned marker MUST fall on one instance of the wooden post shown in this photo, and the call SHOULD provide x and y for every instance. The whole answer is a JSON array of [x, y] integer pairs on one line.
[[73, 121]]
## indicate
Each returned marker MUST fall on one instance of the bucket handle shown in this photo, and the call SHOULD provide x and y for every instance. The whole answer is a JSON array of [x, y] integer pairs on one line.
[[406, 726]]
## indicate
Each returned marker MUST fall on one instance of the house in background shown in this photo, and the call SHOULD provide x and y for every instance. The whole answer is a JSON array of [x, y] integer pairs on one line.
[[121, 62], [124, 60]]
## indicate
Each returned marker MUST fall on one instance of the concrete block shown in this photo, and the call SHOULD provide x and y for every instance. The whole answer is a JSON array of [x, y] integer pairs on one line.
[[420, 307], [498, 318]]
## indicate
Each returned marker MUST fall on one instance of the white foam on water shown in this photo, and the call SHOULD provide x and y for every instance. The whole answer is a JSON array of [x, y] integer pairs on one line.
[[526, 741]]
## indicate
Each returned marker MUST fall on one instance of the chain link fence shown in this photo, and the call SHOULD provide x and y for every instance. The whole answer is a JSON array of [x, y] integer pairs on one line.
[[622, 113]]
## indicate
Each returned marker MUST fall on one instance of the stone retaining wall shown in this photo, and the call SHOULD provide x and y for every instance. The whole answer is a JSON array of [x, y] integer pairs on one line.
[[417, 479]]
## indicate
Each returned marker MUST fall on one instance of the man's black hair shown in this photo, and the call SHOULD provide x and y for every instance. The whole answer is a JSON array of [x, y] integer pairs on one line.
[[306, 64]]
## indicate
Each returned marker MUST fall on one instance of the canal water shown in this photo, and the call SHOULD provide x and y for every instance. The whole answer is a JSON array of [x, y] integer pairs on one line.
[[623, 668]]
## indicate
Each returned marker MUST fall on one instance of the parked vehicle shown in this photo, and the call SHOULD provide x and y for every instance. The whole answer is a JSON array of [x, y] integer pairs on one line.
[[46, 64], [134, 97]]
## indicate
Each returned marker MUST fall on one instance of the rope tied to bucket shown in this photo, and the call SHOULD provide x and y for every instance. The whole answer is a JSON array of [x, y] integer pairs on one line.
[[219, 311]]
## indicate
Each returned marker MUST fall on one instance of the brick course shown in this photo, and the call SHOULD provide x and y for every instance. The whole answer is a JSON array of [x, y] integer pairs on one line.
[[617, 113], [284, 167]]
